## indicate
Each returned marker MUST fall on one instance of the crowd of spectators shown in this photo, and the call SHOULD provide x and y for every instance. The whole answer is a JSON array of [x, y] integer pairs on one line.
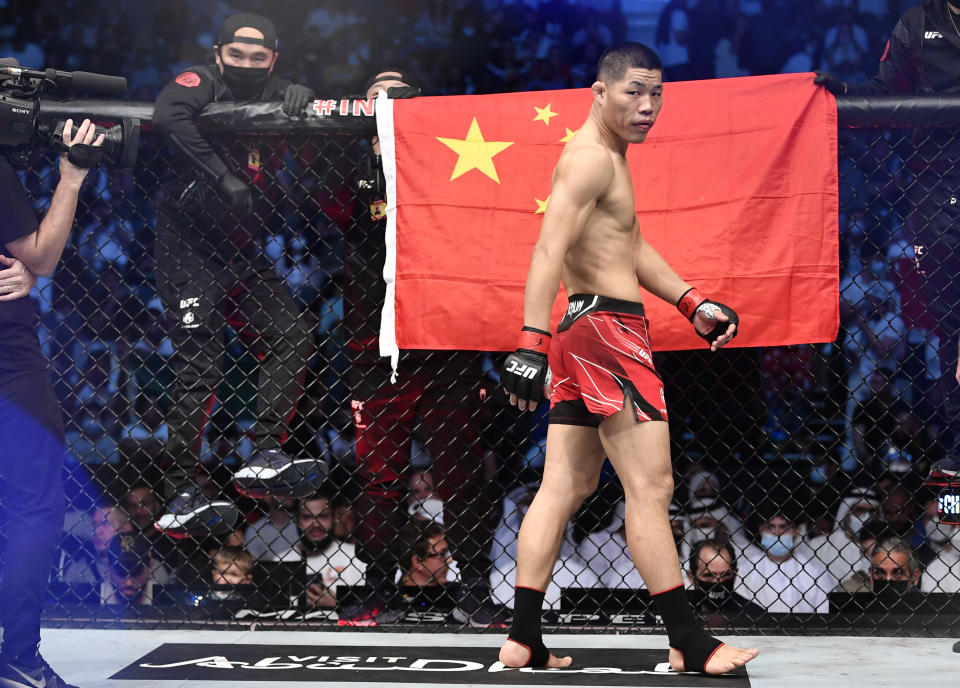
[[769, 561], [847, 427]]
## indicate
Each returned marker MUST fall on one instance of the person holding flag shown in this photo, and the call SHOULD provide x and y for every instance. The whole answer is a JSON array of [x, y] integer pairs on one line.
[[922, 56], [607, 399], [440, 392]]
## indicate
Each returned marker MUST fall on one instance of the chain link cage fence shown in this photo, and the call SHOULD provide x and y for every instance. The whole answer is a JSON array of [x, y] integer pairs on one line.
[[799, 506]]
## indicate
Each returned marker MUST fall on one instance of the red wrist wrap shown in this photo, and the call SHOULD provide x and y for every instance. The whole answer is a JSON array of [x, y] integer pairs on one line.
[[689, 302], [534, 341]]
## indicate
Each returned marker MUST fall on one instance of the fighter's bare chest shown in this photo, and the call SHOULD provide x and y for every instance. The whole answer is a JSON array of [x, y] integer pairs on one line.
[[618, 202]]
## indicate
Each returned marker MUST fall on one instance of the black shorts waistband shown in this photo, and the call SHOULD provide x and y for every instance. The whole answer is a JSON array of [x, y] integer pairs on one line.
[[582, 304]]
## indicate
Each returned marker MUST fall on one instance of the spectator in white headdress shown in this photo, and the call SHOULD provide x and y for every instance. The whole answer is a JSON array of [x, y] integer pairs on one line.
[[703, 485], [709, 519], [839, 551]]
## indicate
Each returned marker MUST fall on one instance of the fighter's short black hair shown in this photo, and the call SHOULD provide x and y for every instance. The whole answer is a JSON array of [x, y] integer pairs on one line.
[[617, 59]]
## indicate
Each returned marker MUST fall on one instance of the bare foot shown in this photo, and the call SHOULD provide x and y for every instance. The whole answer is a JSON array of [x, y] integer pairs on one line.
[[515, 656], [726, 658]]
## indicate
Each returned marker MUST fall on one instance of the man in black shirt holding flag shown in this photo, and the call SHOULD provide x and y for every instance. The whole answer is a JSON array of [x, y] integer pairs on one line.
[[922, 57], [438, 394]]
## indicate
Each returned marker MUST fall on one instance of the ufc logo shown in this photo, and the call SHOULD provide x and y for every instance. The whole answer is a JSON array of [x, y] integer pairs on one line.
[[521, 369]]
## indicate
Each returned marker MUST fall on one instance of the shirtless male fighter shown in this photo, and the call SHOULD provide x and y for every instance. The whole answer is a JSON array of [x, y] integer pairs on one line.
[[607, 399]]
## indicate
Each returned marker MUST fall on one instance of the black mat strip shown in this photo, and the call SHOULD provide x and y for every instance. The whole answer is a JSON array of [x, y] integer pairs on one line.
[[396, 664]]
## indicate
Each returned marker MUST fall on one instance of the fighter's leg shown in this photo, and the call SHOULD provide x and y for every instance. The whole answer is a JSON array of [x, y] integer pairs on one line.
[[640, 454], [570, 475]]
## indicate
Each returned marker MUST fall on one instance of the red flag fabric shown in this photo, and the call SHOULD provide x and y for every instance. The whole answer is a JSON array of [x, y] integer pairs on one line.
[[736, 186]]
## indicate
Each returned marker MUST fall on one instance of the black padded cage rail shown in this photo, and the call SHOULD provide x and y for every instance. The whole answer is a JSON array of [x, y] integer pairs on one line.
[[801, 467]]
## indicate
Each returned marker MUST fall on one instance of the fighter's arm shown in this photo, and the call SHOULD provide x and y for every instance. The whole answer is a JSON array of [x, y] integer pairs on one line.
[[654, 273], [173, 115], [656, 276], [580, 180]]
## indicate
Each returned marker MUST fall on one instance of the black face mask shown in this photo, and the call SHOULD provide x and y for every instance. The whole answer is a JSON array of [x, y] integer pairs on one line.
[[717, 592], [245, 82], [891, 587]]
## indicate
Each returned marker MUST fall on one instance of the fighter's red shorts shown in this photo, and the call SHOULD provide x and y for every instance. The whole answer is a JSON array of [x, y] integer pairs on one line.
[[600, 358]]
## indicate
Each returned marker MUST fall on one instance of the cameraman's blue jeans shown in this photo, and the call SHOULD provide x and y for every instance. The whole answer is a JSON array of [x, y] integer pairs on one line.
[[31, 503]]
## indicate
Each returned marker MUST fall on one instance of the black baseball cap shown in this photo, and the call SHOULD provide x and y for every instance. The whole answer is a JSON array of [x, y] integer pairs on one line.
[[253, 21], [387, 74], [128, 554]]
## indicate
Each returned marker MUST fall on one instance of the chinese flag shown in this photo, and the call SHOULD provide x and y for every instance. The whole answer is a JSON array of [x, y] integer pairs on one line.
[[736, 186]]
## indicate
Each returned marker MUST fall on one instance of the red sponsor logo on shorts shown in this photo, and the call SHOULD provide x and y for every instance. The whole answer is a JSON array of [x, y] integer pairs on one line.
[[189, 79], [886, 51]]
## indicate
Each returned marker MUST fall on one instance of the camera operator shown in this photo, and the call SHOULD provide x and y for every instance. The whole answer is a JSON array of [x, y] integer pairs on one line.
[[31, 426], [211, 266]]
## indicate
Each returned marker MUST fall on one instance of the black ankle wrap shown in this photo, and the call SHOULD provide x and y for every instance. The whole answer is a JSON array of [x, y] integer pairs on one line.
[[525, 630], [686, 634]]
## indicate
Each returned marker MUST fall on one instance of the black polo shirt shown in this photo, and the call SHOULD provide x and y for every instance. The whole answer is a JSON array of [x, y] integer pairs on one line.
[[19, 319]]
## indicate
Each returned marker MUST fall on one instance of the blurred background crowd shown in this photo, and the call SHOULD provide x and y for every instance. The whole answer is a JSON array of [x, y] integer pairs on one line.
[[804, 474]]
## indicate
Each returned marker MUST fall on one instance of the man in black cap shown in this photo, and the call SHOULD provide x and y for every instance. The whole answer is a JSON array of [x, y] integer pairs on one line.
[[922, 56], [211, 267], [440, 393], [129, 565]]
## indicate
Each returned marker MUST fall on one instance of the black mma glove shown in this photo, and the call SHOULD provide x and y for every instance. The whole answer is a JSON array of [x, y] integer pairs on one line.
[[692, 303], [235, 193], [399, 92], [524, 373], [296, 98], [830, 82]]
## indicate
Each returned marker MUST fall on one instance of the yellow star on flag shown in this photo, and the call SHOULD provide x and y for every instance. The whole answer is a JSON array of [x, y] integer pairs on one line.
[[541, 205], [544, 114], [569, 135], [475, 153]]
